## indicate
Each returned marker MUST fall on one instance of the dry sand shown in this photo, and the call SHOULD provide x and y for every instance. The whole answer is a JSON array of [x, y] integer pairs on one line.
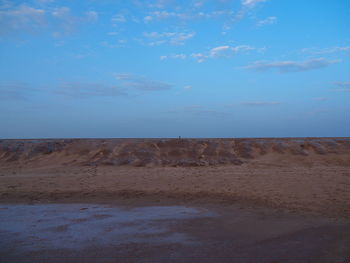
[[299, 174]]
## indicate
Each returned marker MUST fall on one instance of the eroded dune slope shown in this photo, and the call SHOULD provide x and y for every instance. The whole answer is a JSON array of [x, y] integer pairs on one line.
[[175, 152]]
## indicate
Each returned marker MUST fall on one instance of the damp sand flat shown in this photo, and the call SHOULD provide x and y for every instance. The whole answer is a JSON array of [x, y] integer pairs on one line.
[[105, 233]]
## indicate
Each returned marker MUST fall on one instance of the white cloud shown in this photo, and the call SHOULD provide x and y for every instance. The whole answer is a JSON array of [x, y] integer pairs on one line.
[[119, 18], [176, 56], [246, 7], [68, 22], [159, 15], [172, 38], [216, 52], [267, 21], [185, 16], [188, 87], [160, 3], [291, 66], [251, 3], [199, 57], [227, 51], [60, 12], [22, 18], [28, 19], [91, 16], [223, 52]]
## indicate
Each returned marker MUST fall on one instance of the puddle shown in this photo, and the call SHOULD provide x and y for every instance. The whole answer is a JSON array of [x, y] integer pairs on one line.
[[73, 226]]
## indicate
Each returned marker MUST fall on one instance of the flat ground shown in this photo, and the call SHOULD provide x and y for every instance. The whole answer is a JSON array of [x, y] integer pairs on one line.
[[322, 190]]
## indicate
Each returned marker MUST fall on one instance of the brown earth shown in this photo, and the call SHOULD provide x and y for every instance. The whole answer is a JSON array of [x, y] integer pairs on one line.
[[299, 174]]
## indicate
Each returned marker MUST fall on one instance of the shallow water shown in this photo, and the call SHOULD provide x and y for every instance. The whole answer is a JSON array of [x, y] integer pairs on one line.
[[74, 226]]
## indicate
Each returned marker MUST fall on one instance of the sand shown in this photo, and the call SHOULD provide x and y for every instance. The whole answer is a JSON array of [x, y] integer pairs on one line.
[[264, 200], [310, 175]]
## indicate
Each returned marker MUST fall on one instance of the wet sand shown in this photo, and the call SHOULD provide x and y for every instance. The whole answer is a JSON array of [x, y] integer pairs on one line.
[[124, 233]]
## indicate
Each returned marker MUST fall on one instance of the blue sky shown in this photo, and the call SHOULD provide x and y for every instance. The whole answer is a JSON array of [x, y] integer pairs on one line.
[[167, 68]]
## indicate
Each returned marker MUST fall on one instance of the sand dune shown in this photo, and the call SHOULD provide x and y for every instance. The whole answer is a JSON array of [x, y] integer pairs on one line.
[[298, 174], [175, 152]]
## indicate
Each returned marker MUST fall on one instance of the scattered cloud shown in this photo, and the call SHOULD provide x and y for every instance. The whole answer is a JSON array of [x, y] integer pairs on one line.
[[68, 22], [22, 18], [127, 84], [188, 87], [343, 86], [251, 3], [260, 103], [319, 51], [223, 52], [119, 18], [16, 91], [199, 57], [160, 4], [171, 38], [91, 16], [246, 7], [291, 66], [267, 21], [343, 90], [185, 16], [160, 15], [45, 1], [116, 44], [176, 56], [88, 90], [130, 81]]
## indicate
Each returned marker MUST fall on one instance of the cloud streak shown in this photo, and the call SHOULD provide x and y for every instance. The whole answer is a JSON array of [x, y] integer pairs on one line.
[[319, 51], [16, 91], [78, 90], [343, 86], [261, 103], [134, 82], [291, 66], [216, 52], [128, 84]]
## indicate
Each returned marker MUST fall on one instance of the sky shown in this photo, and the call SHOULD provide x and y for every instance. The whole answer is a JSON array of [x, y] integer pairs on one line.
[[169, 68]]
